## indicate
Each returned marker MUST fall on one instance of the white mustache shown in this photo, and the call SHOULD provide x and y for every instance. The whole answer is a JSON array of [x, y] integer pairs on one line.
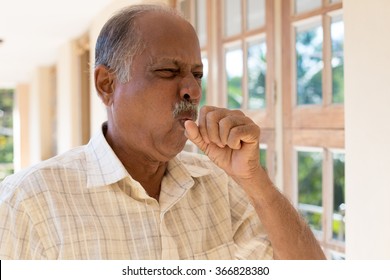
[[185, 107]]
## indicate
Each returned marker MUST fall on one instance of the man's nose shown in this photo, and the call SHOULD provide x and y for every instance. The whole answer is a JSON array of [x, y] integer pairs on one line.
[[190, 89]]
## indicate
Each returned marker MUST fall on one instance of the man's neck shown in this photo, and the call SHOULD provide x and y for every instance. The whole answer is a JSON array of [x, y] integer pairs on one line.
[[147, 171]]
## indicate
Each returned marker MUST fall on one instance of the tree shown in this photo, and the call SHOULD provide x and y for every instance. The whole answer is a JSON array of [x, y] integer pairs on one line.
[[6, 138]]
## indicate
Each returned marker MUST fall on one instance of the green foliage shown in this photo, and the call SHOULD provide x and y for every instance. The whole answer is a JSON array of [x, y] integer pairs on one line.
[[6, 149], [310, 92], [234, 92], [5, 171], [257, 76], [339, 195], [257, 92], [338, 84], [309, 67], [6, 139], [310, 178], [339, 182], [6, 108], [263, 157], [204, 92], [314, 220]]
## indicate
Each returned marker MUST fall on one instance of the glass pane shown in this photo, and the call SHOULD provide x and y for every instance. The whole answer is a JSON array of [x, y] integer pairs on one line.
[[337, 35], [6, 132], [232, 17], [257, 68], [204, 80], [306, 5], [234, 73], [338, 227], [310, 187], [201, 22], [263, 156], [309, 64], [255, 14]]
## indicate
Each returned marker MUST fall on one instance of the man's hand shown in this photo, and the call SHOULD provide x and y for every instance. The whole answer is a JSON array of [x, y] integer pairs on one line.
[[229, 139]]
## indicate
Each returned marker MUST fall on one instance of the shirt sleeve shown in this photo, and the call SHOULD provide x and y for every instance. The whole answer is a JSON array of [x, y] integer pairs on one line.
[[249, 235], [18, 237]]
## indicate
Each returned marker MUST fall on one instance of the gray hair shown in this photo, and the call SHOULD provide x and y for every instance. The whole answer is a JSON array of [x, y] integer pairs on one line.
[[120, 40]]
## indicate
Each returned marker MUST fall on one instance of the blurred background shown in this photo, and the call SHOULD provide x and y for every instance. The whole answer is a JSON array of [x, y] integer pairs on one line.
[[313, 74]]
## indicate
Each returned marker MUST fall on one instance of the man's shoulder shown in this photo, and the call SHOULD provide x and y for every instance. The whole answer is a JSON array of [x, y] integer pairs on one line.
[[37, 176]]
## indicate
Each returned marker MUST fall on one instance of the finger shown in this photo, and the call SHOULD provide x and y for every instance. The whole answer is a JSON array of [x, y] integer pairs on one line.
[[248, 134], [209, 123], [193, 134], [212, 126], [202, 122], [229, 122]]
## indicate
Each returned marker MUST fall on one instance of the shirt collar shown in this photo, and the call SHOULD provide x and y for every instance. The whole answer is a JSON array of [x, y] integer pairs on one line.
[[105, 168]]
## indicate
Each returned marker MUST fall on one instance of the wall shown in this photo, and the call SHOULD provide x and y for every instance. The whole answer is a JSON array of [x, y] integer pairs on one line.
[[21, 127], [41, 114], [367, 115], [68, 98]]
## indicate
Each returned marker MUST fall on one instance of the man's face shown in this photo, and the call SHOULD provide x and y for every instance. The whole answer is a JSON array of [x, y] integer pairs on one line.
[[167, 72]]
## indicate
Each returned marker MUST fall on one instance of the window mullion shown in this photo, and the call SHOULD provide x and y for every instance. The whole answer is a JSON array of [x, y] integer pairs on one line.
[[244, 104], [245, 93], [326, 56], [243, 17], [327, 195]]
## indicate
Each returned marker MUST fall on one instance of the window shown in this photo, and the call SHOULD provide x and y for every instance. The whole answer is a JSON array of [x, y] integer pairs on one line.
[[234, 75], [313, 118], [257, 72], [338, 215], [245, 52], [244, 41], [309, 64], [6, 133], [309, 168], [321, 194]]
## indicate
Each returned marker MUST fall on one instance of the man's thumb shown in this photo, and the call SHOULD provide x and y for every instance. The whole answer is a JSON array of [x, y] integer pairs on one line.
[[193, 134]]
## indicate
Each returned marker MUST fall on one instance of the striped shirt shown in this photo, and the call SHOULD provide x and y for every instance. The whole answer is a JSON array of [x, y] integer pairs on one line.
[[84, 205]]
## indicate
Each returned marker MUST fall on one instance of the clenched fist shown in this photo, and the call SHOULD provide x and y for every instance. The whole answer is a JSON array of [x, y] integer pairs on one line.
[[229, 138]]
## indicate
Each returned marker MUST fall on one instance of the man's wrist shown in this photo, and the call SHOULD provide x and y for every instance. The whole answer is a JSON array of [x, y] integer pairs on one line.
[[257, 185]]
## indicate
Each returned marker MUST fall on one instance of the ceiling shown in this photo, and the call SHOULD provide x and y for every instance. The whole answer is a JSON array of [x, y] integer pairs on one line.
[[33, 30]]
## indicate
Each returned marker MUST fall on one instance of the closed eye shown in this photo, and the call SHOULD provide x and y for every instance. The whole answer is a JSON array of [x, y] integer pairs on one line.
[[198, 75], [167, 72]]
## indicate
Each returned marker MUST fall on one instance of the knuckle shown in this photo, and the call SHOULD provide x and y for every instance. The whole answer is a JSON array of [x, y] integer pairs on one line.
[[212, 116], [206, 109], [225, 121], [238, 112]]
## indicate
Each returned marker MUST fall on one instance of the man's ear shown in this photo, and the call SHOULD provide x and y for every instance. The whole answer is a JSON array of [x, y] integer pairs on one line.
[[104, 83]]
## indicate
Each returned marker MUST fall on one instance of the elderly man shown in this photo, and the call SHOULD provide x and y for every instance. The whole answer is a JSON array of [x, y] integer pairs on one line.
[[131, 193]]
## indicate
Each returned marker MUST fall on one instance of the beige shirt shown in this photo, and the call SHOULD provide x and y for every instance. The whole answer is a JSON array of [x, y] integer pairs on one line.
[[84, 205]]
